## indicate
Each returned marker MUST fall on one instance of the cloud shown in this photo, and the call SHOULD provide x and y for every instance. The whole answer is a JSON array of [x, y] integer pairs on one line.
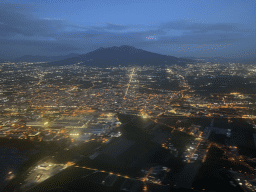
[[24, 33], [111, 27], [18, 19], [191, 27], [78, 35]]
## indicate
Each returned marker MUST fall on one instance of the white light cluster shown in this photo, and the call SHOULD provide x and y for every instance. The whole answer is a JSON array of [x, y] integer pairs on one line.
[[75, 134]]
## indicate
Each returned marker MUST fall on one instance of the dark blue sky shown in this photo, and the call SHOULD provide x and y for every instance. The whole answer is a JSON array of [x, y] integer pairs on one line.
[[173, 27]]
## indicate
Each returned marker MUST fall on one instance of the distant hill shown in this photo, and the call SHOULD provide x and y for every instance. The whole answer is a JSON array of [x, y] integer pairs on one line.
[[123, 55], [221, 60], [37, 58], [3, 60]]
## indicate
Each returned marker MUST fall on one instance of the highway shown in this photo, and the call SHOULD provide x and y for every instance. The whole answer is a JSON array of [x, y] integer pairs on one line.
[[129, 83]]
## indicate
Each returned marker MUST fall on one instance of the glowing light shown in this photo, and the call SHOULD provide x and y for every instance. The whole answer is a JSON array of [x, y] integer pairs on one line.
[[144, 116]]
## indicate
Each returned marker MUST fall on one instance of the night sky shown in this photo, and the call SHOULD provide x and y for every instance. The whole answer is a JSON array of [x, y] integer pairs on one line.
[[172, 27]]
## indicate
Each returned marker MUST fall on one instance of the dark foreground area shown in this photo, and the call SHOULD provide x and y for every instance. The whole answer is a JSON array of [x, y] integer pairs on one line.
[[122, 163]]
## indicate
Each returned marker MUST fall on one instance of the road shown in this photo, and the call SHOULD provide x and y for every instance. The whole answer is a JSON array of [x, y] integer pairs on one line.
[[129, 83]]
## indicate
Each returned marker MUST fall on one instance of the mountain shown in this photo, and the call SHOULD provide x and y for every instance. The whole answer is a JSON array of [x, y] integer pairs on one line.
[[2, 60], [37, 58], [123, 55]]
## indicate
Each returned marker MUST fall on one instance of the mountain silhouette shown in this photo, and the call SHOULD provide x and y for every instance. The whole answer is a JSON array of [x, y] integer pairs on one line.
[[123, 55]]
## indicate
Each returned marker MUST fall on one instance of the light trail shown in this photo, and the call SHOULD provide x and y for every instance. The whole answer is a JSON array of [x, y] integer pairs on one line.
[[103, 171], [131, 76], [206, 153]]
